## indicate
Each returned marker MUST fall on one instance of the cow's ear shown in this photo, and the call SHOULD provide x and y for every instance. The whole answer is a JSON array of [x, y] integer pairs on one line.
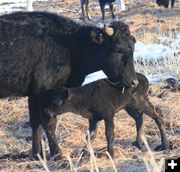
[[97, 37]]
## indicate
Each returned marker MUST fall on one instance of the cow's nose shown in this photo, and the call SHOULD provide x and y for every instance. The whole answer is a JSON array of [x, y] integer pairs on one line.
[[135, 83]]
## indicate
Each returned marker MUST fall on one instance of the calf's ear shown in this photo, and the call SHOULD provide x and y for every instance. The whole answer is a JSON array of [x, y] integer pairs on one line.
[[97, 37], [58, 100], [61, 95]]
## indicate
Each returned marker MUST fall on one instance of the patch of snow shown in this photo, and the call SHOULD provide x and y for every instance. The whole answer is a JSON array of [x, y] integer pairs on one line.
[[178, 35], [151, 51], [164, 40], [159, 77], [29, 6], [175, 44], [79, 21], [9, 6], [94, 77], [12, 1]]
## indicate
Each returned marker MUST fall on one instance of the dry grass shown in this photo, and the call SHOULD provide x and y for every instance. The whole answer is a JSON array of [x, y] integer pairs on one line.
[[15, 134], [15, 137]]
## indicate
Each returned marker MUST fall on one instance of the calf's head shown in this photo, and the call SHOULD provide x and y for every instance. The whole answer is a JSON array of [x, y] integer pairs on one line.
[[56, 100], [117, 54]]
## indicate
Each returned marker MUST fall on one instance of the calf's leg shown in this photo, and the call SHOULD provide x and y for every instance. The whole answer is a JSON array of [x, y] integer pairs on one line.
[[49, 125], [92, 129], [92, 132], [109, 131], [155, 113], [137, 116]]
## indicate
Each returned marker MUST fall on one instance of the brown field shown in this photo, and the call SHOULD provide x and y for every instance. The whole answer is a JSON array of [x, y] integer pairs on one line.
[[146, 21]]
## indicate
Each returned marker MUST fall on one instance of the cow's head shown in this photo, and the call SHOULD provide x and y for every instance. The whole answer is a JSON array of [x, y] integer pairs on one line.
[[117, 57]]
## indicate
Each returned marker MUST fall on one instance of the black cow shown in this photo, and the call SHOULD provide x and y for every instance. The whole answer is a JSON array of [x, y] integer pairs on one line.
[[100, 100], [165, 3], [102, 3], [41, 51]]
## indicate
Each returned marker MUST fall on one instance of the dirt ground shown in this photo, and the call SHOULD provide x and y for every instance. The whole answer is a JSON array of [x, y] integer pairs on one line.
[[139, 15], [146, 21]]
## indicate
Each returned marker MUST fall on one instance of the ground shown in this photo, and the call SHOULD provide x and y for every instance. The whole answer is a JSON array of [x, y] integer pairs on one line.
[[146, 21]]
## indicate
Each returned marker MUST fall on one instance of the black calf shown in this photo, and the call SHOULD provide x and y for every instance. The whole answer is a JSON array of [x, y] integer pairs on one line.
[[100, 100]]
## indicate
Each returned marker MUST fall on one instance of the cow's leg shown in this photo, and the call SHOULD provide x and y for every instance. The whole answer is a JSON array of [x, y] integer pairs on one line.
[[87, 9], [35, 125], [155, 113], [112, 10], [109, 131], [49, 125], [137, 116]]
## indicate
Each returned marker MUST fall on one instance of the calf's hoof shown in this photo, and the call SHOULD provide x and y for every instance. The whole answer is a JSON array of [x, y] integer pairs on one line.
[[35, 156], [56, 154], [139, 144], [57, 157], [161, 147], [111, 153], [85, 153]]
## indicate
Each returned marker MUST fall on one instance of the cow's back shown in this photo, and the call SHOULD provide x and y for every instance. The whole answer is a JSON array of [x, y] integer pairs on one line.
[[31, 58]]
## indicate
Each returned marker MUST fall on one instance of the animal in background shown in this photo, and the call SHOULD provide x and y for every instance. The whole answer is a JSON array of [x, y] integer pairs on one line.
[[165, 3], [102, 3]]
